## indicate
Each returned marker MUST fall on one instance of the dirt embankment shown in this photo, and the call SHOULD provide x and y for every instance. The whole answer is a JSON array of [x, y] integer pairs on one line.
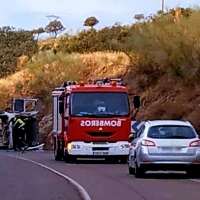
[[162, 97]]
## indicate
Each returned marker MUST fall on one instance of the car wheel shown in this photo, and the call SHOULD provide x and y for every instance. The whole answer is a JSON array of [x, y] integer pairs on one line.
[[139, 172], [131, 170]]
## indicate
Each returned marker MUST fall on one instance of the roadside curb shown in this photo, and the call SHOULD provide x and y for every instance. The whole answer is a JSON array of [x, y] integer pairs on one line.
[[83, 193]]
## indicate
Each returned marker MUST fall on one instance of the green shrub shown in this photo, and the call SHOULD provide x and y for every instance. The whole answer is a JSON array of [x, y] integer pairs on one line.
[[168, 46], [14, 43]]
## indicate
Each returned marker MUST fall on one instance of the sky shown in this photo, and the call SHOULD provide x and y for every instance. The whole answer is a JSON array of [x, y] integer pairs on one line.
[[32, 14]]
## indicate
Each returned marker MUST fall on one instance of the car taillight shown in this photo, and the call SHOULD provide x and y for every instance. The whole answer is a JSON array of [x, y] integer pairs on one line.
[[195, 143], [148, 143]]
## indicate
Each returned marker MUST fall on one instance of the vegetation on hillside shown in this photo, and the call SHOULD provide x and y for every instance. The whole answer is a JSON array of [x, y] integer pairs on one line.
[[158, 56], [136, 38], [13, 44]]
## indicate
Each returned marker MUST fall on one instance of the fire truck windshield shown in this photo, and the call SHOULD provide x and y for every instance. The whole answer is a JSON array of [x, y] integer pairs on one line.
[[99, 104]]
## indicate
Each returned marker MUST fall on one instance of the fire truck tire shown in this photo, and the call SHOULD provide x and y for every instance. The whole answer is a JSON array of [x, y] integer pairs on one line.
[[58, 155]]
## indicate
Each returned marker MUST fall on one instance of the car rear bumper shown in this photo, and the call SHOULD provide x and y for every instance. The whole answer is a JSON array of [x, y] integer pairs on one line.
[[168, 162], [169, 166]]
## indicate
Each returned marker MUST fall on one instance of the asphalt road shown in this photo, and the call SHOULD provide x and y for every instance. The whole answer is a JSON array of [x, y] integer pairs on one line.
[[111, 181], [21, 180]]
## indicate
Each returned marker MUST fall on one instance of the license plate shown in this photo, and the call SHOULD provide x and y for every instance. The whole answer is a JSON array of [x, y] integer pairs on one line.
[[100, 153], [171, 149]]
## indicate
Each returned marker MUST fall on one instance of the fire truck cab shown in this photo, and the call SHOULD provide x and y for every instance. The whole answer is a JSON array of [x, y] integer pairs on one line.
[[92, 120]]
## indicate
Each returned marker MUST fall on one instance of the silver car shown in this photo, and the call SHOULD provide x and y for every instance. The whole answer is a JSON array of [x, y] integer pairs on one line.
[[165, 145]]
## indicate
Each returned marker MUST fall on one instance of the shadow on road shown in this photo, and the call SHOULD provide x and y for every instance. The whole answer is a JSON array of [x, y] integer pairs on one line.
[[168, 175], [161, 175], [95, 161]]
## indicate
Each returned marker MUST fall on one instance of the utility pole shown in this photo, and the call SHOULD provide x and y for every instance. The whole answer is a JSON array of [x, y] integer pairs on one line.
[[163, 4], [52, 16]]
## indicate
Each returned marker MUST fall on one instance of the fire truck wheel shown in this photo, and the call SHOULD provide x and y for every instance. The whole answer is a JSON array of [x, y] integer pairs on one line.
[[58, 155]]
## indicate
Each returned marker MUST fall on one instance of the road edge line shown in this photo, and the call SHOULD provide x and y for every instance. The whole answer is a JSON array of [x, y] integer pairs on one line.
[[83, 193]]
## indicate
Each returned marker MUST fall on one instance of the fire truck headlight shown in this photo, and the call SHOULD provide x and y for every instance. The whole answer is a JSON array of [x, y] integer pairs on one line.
[[69, 146], [73, 146], [125, 146]]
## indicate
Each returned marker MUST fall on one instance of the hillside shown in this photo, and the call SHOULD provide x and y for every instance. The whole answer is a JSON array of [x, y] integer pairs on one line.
[[158, 59]]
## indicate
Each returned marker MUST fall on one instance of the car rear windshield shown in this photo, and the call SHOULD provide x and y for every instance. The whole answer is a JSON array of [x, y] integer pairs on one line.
[[171, 132]]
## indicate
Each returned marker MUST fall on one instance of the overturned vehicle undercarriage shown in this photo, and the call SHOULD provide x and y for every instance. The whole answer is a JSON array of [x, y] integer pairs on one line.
[[27, 108]]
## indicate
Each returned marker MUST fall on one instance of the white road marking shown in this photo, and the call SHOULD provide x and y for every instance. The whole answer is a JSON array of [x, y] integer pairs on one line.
[[81, 190], [195, 180]]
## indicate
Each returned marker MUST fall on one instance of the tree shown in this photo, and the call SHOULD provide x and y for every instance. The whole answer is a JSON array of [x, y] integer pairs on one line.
[[185, 12], [54, 27], [14, 43], [91, 22], [139, 17], [38, 32]]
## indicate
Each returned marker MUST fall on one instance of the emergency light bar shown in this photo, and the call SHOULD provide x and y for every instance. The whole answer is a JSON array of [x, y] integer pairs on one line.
[[68, 83], [107, 81]]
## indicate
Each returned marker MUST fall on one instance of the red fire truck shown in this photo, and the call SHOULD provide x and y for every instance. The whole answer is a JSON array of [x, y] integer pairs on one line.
[[92, 120]]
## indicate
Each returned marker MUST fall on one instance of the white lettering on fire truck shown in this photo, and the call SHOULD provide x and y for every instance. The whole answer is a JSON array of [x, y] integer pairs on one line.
[[100, 123]]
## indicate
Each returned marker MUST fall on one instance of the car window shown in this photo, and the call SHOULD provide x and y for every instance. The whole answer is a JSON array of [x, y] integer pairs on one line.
[[171, 131]]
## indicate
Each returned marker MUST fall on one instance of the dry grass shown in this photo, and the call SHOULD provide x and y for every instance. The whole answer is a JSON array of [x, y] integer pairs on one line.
[[47, 70], [102, 64]]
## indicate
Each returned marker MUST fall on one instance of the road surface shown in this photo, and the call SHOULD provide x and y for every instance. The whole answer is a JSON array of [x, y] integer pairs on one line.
[[21, 180], [111, 181]]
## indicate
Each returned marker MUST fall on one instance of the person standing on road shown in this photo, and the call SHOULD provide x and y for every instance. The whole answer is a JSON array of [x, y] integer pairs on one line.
[[18, 133]]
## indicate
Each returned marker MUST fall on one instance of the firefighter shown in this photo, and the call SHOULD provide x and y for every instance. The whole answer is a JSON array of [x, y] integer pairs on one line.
[[19, 133]]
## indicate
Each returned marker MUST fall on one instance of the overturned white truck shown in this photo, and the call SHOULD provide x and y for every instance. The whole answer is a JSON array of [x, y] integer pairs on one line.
[[28, 108]]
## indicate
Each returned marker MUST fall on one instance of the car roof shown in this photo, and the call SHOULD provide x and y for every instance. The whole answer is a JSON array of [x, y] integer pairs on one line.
[[150, 123]]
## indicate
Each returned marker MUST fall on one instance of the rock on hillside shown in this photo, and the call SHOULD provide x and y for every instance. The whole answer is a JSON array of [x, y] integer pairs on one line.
[[45, 128]]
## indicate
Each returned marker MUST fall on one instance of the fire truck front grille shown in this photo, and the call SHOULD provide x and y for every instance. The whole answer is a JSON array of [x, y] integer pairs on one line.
[[100, 134]]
